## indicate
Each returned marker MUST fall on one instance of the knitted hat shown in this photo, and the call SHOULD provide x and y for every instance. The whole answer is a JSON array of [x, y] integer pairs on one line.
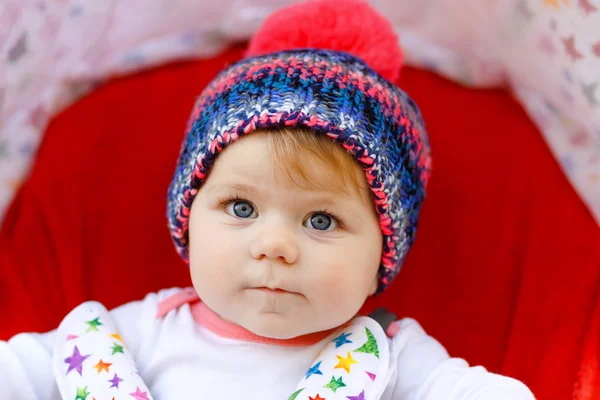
[[306, 67]]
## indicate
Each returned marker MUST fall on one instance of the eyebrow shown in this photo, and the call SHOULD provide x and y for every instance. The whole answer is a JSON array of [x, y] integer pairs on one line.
[[316, 197], [240, 187]]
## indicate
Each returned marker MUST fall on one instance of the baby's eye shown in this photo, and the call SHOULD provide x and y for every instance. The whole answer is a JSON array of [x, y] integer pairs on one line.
[[321, 222], [241, 209]]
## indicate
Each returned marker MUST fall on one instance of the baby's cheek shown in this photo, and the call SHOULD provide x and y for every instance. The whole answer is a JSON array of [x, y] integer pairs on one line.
[[212, 278], [214, 262], [331, 281], [349, 279], [337, 298]]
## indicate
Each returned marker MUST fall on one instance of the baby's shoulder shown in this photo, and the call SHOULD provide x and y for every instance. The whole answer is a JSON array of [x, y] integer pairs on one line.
[[129, 322], [151, 302], [146, 309]]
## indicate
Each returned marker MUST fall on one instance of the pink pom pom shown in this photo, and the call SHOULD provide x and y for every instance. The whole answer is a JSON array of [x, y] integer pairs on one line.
[[352, 26]]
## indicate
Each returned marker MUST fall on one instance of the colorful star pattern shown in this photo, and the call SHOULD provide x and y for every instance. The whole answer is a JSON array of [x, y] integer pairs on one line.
[[105, 382], [117, 348], [339, 354], [115, 381], [335, 384], [314, 370], [295, 394], [361, 396], [75, 361], [547, 45], [102, 366], [82, 393], [370, 347], [94, 324], [139, 395], [587, 6], [571, 49], [342, 340], [116, 336], [556, 4], [596, 49], [345, 363]]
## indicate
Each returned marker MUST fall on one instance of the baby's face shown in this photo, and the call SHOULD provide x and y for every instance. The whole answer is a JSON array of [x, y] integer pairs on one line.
[[279, 259]]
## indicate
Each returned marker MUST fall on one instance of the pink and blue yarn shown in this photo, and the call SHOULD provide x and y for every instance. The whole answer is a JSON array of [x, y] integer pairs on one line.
[[333, 93]]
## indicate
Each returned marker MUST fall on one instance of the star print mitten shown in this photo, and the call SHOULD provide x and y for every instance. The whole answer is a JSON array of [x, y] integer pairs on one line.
[[91, 361], [353, 365]]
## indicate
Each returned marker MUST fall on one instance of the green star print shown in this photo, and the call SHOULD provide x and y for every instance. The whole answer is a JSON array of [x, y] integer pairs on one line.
[[295, 394], [117, 348], [94, 324], [370, 347], [82, 393], [335, 384]]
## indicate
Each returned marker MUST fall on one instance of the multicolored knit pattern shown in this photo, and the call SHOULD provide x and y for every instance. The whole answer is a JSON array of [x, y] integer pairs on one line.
[[332, 93]]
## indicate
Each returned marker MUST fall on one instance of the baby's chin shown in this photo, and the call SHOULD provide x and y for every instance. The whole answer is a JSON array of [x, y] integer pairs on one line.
[[273, 326], [278, 326]]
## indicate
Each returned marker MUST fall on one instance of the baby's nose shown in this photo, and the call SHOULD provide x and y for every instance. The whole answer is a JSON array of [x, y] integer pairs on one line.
[[275, 243]]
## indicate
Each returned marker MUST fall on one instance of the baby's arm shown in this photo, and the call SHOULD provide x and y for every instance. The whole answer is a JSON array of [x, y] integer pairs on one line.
[[26, 360], [425, 371]]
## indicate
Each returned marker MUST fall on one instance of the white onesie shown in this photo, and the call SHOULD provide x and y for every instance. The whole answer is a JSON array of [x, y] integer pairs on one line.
[[170, 346]]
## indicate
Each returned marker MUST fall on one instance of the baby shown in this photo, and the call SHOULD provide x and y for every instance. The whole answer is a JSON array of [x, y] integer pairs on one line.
[[295, 198]]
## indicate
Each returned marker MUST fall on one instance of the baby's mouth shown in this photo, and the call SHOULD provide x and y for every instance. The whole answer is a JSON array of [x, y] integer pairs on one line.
[[271, 290]]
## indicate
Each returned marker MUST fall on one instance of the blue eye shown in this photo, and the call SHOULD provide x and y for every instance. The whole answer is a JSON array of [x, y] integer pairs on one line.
[[240, 209], [321, 222]]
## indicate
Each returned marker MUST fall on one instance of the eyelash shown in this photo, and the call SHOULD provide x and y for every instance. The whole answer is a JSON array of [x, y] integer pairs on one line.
[[339, 220], [225, 201]]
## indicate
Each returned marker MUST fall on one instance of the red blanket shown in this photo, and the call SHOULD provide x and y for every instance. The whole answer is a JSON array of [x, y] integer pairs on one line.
[[505, 271]]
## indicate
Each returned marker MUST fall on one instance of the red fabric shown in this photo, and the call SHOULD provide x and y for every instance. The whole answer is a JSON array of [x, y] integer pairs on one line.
[[505, 270], [588, 382]]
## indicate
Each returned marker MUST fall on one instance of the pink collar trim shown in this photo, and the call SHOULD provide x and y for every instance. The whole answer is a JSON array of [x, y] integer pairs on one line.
[[214, 323]]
